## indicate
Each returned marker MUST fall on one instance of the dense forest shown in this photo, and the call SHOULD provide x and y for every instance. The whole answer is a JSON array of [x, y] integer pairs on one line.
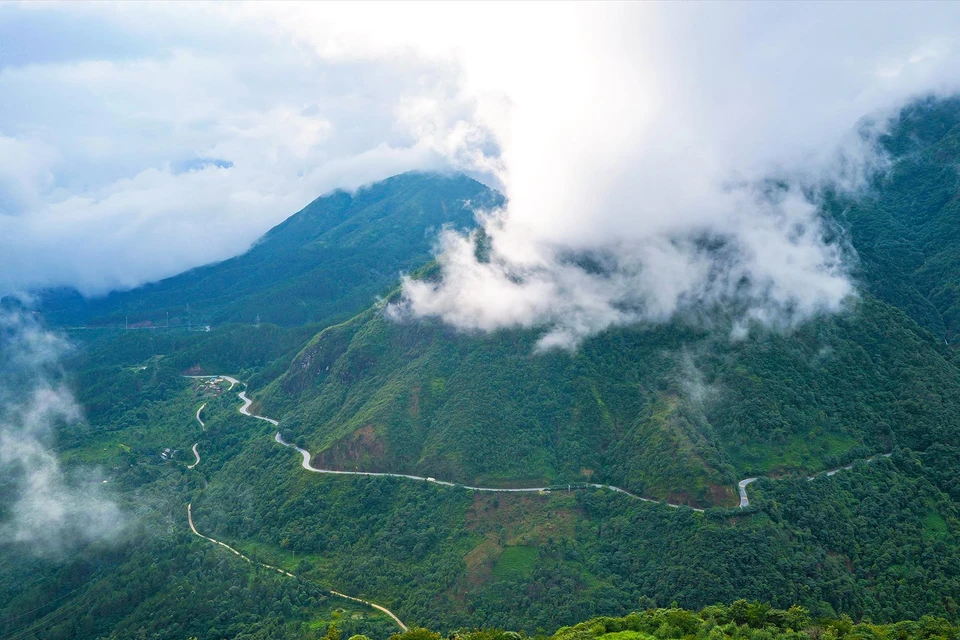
[[741, 619]]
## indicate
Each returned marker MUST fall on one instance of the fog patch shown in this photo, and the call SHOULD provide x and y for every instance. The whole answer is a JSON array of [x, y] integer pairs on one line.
[[43, 510], [663, 162]]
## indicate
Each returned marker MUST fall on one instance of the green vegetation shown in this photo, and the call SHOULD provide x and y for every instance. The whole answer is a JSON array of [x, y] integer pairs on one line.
[[516, 563], [673, 411], [667, 412], [741, 620], [159, 580]]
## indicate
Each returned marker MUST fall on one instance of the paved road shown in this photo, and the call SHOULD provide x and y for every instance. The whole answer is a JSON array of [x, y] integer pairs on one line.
[[742, 488], [245, 410], [285, 572], [579, 485], [202, 428], [195, 453], [849, 466], [742, 485]]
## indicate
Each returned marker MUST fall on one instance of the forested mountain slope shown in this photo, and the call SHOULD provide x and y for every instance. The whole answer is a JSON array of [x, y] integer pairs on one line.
[[325, 262], [877, 541], [675, 411], [905, 230], [668, 412]]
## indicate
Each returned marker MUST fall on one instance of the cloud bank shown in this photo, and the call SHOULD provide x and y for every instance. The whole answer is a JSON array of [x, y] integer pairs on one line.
[[171, 136], [641, 148], [42, 510], [633, 142]]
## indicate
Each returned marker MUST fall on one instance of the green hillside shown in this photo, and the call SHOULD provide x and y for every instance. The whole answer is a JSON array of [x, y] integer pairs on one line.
[[673, 412], [905, 230], [326, 262], [879, 541]]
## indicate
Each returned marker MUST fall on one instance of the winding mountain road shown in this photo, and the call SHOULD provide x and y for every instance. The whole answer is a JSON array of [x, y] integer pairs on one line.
[[578, 485], [245, 410], [741, 485], [203, 427], [287, 573]]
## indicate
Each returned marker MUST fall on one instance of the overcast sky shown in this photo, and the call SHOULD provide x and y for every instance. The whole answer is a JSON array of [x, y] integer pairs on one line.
[[138, 140]]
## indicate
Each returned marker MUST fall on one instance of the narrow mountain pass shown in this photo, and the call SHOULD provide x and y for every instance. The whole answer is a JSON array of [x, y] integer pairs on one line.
[[196, 454]]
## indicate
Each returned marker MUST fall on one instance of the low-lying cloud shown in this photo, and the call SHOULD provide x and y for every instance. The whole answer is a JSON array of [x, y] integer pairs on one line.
[[634, 143], [43, 510], [661, 160], [760, 260], [184, 132]]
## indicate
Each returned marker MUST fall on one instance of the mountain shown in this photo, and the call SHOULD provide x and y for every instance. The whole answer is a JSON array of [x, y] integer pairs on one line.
[[320, 265], [674, 413], [668, 412]]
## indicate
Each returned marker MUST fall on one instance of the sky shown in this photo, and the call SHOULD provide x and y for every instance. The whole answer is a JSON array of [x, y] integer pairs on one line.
[[138, 140]]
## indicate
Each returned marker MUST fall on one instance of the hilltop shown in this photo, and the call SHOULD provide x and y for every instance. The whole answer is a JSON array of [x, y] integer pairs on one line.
[[320, 265]]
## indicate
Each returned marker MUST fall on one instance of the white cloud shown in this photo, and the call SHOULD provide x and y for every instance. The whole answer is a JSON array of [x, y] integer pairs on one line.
[[117, 171], [639, 133], [629, 133], [47, 513]]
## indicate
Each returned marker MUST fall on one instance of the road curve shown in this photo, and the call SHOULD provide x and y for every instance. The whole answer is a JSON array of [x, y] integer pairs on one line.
[[580, 485], [245, 409], [195, 453], [287, 573], [741, 485], [203, 427], [742, 488]]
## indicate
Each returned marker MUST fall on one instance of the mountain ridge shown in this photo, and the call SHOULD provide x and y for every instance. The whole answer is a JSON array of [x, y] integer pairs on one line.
[[319, 265]]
